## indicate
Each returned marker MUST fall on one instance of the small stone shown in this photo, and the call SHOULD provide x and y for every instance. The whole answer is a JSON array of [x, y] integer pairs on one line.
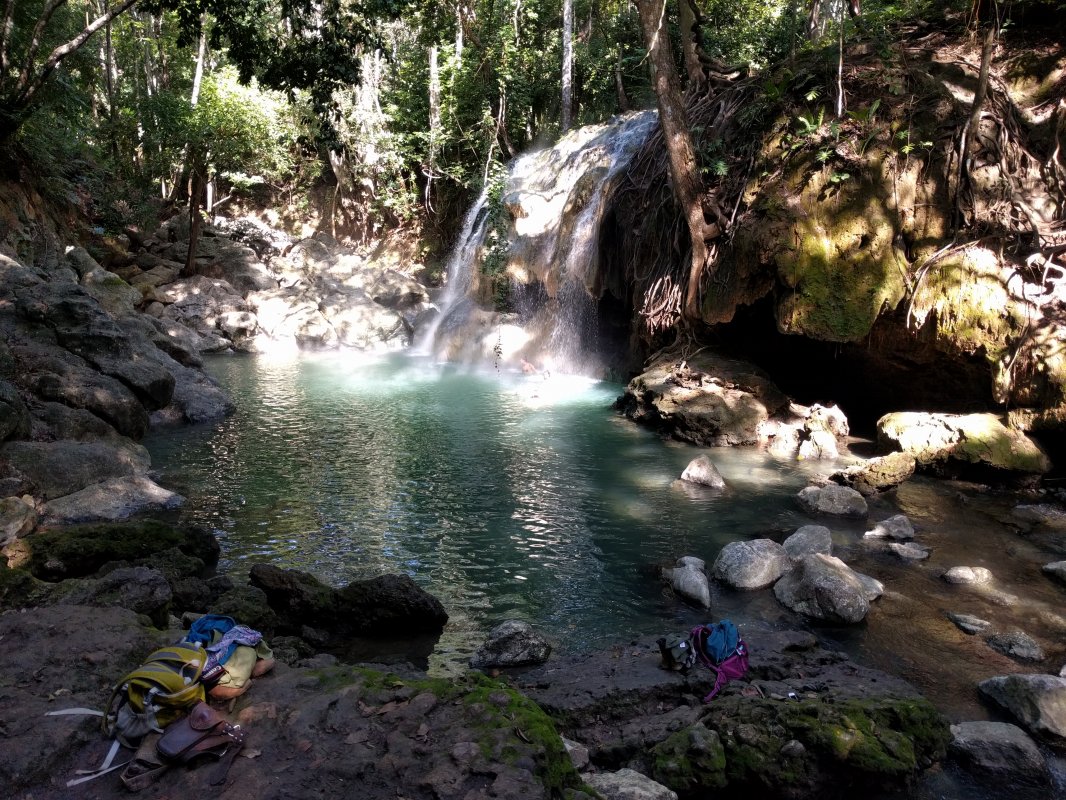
[[512, 643], [967, 575], [690, 581], [579, 754], [910, 551], [809, 539], [833, 500], [970, 624], [897, 527], [793, 748], [1017, 645]]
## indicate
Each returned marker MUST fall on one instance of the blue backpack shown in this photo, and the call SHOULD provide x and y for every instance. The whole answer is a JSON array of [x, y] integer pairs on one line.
[[719, 648]]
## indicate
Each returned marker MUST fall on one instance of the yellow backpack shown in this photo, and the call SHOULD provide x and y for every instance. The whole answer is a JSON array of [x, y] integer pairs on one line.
[[157, 693]]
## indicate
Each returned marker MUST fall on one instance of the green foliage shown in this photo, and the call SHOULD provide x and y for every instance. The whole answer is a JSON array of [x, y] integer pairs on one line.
[[494, 260]]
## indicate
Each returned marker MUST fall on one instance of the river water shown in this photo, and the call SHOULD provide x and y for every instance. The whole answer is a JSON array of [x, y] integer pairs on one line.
[[515, 496]]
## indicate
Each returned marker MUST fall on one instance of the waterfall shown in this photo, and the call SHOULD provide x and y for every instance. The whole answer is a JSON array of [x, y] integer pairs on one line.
[[555, 199]]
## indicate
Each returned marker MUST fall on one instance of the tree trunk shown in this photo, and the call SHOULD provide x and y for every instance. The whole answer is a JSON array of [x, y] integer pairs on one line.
[[566, 117], [201, 57], [684, 173], [619, 84], [434, 125], [195, 220], [690, 48]]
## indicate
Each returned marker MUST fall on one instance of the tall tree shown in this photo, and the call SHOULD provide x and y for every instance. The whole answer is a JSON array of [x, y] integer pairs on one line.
[[566, 117], [684, 171]]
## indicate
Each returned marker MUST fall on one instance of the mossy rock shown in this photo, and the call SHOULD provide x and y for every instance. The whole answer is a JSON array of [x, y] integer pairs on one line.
[[81, 550], [796, 748], [691, 760], [248, 605], [19, 589]]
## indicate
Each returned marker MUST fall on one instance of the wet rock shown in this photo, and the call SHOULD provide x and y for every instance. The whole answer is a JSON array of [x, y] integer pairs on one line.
[[692, 760], [17, 519], [753, 564], [877, 474], [1056, 570], [871, 587], [61, 468], [910, 551], [1038, 702], [898, 528], [512, 644], [999, 751], [249, 605], [946, 441], [808, 540], [1017, 645], [110, 501], [832, 500], [709, 400], [689, 580], [627, 784], [819, 444], [967, 575], [967, 623], [825, 588], [702, 471]]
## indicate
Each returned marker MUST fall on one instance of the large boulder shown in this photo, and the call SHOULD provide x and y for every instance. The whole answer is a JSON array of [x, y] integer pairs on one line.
[[14, 418], [513, 643], [754, 564], [999, 751], [877, 474], [833, 500], [395, 290], [825, 588], [949, 443], [139, 589], [1038, 702], [627, 784], [807, 540], [708, 400]]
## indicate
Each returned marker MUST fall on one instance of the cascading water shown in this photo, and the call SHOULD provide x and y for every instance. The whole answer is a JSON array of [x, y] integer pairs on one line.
[[555, 199]]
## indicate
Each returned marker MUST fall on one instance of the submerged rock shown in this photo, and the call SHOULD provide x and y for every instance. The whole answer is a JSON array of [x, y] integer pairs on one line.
[[1043, 514], [910, 551], [967, 623], [513, 643], [1056, 570], [967, 575], [1018, 645], [898, 527], [754, 564], [832, 500], [825, 588]]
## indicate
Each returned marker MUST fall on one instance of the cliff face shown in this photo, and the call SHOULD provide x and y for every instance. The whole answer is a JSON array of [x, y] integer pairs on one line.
[[865, 232]]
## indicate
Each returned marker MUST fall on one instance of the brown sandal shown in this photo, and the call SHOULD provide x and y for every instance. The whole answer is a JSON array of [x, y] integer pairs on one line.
[[146, 766]]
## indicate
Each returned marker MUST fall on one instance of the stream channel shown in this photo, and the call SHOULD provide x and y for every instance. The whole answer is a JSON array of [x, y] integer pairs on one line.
[[515, 496]]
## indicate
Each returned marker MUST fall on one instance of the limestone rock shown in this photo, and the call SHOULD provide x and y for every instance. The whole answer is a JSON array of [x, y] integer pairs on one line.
[[512, 644], [809, 539], [967, 575], [112, 500], [898, 528], [819, 444], [970, 624], [1038, 702], [1000, 751], [1017, 645], [832, 500], [689, 579], [877, 474], [909, 551], [709, 400], [701, 470], [967, 439], [753, 564], [825, 588], [627, 784], [397, 291]]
